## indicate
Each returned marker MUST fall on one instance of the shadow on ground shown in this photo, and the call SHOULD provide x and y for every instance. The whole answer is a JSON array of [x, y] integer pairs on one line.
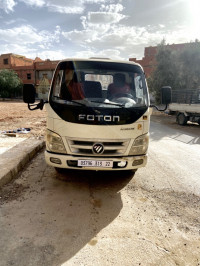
[[58, 214]]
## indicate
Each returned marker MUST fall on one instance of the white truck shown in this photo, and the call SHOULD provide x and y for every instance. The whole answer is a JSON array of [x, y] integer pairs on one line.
[[186, 105], [98, 115]]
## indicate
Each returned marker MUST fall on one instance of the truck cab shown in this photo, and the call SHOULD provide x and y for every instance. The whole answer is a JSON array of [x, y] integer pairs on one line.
[[98, 115]]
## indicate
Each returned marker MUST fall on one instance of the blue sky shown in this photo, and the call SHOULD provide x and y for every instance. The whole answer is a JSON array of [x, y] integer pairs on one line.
[[119, 29]]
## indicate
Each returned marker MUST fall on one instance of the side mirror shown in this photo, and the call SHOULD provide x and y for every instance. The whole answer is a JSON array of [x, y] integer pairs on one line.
[[166, 95], [29, 93]]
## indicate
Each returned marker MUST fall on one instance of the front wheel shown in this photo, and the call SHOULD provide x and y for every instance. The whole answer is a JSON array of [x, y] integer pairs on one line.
[[60, 170], [131, 172], [181, 119]]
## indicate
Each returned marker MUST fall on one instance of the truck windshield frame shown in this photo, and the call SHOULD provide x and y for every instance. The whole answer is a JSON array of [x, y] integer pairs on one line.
[[99, 86]]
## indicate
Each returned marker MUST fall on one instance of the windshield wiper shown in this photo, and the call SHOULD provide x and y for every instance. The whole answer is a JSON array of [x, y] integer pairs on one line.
[[110, 103], [72, 101]]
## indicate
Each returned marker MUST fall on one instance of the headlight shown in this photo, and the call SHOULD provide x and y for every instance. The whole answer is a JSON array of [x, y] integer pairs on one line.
[[140, 145], [54, 142]]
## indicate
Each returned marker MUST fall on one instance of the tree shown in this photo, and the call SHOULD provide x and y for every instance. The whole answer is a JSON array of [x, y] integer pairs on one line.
[[10, 84], [189, 70], [178, 69], [165, 73]]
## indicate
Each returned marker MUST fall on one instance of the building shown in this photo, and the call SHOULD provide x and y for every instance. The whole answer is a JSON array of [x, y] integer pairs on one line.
[[29, 71], [8, 61], [44, 69], [148, 62]]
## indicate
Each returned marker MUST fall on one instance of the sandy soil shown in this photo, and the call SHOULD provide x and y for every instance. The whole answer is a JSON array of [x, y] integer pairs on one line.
[[14, 115]]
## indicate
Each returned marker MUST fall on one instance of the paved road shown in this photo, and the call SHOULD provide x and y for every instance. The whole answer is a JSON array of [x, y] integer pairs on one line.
[[89, 218]]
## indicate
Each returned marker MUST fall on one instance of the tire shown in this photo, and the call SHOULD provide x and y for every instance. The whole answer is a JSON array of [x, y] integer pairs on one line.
[[59, 170], [181, 119], [131, 172]]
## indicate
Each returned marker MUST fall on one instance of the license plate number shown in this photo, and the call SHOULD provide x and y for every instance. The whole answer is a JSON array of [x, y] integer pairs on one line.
[[93, 163]]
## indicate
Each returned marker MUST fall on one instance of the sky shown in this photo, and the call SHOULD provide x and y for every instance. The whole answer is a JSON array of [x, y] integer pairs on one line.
[[118, 29]]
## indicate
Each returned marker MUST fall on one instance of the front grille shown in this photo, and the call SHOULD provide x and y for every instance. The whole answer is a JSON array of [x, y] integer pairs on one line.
[[111, 148]]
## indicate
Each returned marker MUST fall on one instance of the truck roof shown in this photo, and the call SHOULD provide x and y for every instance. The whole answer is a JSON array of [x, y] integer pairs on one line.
[[101, 60]]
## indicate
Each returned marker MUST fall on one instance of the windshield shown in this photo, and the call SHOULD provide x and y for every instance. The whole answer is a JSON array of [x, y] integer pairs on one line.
[[99, 84]]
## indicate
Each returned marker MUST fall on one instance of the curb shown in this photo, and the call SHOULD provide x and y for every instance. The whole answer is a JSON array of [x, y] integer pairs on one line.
[[14, 160]]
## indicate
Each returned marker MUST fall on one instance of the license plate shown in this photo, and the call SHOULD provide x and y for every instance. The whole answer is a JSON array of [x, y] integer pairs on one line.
[[93, 163]]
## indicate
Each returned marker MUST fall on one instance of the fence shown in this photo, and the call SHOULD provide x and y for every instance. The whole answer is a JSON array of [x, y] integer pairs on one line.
[[186, 96]]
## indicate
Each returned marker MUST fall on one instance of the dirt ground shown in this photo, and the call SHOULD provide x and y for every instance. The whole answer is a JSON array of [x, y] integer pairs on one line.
[[14, 115]]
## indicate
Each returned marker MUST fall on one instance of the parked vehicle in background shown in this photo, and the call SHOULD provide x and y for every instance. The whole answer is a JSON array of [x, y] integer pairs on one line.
[[186, 105]]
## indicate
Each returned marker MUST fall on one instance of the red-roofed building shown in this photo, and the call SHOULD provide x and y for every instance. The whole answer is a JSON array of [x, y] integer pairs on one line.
[[29, 71]]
